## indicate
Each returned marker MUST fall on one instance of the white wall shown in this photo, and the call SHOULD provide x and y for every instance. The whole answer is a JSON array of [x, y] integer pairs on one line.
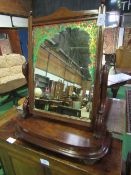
[[55, 78], [19, 22], [121, 37], [5, 21]]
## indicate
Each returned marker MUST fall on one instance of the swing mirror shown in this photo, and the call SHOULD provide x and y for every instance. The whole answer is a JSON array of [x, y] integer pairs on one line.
[[64, 56]]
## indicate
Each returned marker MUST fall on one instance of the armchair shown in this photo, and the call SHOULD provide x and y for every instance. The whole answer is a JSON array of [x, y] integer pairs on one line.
[[11, 77]]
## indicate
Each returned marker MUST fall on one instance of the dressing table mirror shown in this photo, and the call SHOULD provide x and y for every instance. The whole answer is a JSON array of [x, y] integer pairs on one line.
[[66, 109], [64, 65]]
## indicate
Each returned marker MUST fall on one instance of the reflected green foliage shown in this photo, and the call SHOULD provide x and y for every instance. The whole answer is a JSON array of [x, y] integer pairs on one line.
[[43, 33]]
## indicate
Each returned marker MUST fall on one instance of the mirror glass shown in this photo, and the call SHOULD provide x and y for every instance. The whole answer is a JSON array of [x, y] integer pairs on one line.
[[64, 64]]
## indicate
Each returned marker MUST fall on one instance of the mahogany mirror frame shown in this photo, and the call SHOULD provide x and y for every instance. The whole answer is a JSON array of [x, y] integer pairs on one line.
[[64, 15], [74, 139]]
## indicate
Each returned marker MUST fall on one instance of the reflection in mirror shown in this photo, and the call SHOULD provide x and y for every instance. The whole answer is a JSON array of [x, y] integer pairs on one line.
[[64, 65]]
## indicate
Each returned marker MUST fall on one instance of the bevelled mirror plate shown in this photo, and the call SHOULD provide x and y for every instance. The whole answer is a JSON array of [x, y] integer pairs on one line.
[[64, 59], [65, 52]]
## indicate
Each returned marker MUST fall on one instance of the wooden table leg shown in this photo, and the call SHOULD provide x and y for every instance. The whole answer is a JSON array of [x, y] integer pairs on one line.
[[114, 91]]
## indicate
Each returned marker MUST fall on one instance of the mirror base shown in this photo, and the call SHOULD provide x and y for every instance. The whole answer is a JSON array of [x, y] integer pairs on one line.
[[62, 139]]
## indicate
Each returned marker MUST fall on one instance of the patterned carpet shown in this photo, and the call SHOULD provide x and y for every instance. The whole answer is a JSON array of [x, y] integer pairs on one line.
[[119, 129], [116, 119]]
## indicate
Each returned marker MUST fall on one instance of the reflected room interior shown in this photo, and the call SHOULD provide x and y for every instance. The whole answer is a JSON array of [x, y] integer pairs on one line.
[[64, 65]]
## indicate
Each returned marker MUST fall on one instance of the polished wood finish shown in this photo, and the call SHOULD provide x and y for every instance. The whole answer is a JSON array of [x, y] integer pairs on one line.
[[71, 141], [30, 66], [59, 133], [63, 14], [21, 158], [98, 84], [0, 52], [13, 36], [62, 139], [15, 7], [103, 105]]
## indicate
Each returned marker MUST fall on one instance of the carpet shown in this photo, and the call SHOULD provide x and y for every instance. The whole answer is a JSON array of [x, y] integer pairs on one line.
[[116, 116]]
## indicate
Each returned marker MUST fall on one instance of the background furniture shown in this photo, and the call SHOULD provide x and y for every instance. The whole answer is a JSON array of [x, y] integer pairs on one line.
[[11, 76], [12, 81], [117, 80], [123, 60], [13, 86], [110, 59], [128, 164]]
